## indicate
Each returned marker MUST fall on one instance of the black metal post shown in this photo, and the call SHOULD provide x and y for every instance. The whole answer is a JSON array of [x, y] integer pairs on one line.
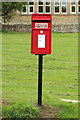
[[40, 80]]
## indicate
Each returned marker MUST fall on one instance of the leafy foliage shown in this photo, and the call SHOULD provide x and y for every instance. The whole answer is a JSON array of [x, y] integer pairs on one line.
[[9, 8], [20, 111]]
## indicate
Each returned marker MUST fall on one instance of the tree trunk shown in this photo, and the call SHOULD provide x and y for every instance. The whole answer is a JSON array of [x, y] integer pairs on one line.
[[4, 19]]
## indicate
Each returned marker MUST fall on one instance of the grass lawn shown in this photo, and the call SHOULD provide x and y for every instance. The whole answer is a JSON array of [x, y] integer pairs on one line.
[[20, 76]]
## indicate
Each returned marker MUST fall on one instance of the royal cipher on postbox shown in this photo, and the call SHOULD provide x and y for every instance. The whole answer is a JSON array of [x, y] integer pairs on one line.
[[41, 30]]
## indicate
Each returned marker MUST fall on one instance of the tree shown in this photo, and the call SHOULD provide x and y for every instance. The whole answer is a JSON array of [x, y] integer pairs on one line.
[[9, 9]]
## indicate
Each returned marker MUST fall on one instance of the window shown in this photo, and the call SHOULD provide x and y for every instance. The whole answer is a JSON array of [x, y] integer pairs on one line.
[[73, 6], [31, 6], [47, 6], [24, 11], [78, 6], [56, 6], [63, 6], [40, 6]]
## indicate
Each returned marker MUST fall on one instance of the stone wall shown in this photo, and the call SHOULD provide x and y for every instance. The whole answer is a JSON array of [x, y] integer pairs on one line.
[[69, 28], [66, 28], [16, 27]]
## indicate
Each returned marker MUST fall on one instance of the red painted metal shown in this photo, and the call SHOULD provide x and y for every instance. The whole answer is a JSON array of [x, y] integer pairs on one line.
[[41, 25]]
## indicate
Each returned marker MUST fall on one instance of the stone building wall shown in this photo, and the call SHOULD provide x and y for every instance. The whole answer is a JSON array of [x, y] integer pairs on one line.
[[57, 18]]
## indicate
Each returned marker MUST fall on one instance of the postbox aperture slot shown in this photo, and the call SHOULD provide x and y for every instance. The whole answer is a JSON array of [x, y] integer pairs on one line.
[[41, 20]]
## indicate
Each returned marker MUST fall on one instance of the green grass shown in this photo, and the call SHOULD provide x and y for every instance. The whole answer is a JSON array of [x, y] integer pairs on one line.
[[20, 75]]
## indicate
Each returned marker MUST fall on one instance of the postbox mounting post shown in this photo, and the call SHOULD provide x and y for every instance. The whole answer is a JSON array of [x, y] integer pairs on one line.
[[40, 80]]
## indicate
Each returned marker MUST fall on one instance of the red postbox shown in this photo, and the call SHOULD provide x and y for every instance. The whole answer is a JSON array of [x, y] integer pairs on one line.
[[41, 30]]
